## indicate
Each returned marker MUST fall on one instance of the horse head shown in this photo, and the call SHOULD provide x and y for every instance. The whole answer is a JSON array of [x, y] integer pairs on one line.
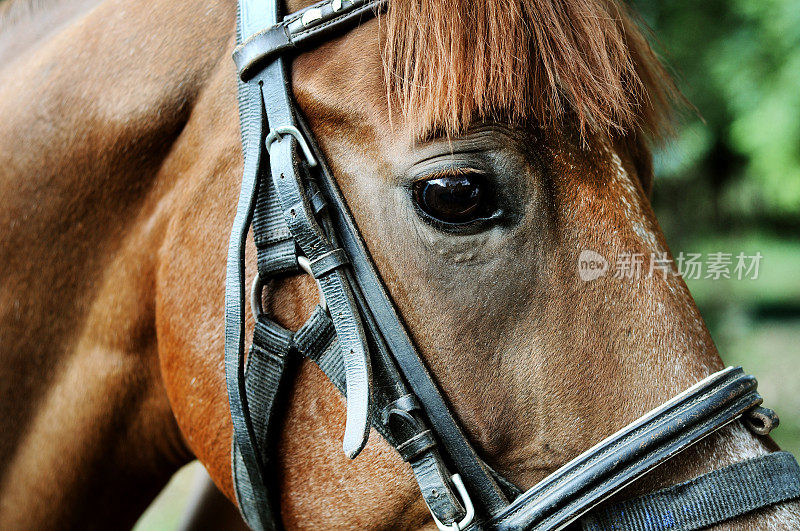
[[496, 163]]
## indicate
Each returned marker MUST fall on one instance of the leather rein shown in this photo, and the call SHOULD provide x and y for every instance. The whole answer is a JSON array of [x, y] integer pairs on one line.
[[301, 223]]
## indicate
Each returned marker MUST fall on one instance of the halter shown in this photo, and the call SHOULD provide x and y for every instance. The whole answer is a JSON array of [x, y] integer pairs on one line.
[[300, 222]]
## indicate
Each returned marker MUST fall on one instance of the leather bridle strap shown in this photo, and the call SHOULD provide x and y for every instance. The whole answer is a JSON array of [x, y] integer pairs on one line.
[[359, 334], [251, 490], [290, 218], [266, 100], [707, 500], [301, 30], [615, 462], [381, 315]]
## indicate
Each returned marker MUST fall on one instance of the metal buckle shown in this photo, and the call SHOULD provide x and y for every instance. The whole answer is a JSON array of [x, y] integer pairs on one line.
[[276, 134], [465, 499], [258, 287]]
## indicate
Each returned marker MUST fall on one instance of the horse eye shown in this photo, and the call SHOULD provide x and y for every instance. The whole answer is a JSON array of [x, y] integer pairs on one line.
[[454, 199]]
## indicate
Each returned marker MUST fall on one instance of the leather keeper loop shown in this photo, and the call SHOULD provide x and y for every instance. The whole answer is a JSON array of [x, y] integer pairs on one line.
[[277, 259], [419, 443], [328, 262], [259, 49], [406, 403]]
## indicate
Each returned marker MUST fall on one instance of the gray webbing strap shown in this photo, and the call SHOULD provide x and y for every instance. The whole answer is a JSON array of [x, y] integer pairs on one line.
[[707, 500], [266, 379], [298, 213], [266, 372], [277, 253]]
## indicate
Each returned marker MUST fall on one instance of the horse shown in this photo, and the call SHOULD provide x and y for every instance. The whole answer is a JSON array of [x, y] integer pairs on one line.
[[528, 123]]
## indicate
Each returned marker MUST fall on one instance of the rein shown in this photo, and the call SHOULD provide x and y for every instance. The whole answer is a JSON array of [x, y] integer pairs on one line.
[[300, 222]]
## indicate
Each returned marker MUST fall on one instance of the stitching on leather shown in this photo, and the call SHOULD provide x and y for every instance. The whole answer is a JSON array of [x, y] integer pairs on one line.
[[578, 502], [333, 21], [571, 505], [622, 441]]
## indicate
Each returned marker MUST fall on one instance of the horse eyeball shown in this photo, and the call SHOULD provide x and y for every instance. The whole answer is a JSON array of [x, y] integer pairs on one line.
[[453, 199]]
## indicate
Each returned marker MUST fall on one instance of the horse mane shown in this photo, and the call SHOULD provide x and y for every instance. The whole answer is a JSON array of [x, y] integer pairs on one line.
[[451, 62]]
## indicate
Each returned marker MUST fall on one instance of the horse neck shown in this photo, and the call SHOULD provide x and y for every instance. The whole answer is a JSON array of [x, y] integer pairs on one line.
[[92, 104]]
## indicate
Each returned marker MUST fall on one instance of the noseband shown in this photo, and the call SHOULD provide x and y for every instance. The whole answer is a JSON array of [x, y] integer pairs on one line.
[[300, 222]]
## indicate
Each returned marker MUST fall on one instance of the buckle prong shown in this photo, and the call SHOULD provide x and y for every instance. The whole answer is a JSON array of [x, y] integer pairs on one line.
[[276, 134]]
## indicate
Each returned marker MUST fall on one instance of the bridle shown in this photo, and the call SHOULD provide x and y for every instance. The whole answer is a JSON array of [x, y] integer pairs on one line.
[[300, 222]]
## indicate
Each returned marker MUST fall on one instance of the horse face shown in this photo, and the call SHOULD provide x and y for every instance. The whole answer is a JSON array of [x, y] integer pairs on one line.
[[479, 237]]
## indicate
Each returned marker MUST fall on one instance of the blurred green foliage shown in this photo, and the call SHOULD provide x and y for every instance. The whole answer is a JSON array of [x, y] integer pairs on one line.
[[738, 63], [730, 181]]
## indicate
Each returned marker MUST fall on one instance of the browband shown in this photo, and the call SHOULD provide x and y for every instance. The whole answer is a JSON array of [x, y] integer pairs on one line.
[[302, 30]]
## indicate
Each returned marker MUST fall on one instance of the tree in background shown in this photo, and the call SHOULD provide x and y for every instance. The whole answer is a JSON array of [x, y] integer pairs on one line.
[[738, 62]]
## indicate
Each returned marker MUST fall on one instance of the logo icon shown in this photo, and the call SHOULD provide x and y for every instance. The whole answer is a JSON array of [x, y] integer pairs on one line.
[[591, 265]]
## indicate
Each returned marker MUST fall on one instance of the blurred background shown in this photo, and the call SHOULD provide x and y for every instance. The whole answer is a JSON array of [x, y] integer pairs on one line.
[[728, 182], [730, 179]]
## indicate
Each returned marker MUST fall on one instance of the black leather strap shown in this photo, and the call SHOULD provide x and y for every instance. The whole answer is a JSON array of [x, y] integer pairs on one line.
[[613, 463], [327, 262], [285, 220], [416, 445], [301, 30], [249, 476], [287, 170], [318, 342], [710, 499], [381, 315]]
